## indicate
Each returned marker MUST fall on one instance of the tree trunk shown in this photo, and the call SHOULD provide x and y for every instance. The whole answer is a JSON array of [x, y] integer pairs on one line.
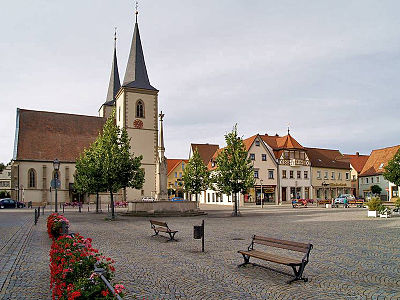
[[197, 201], [112, 205], [235, 203], [97, 202]]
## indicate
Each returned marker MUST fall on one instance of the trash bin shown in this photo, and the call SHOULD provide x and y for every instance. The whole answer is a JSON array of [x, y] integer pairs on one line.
[[198, 232], [30, 204]]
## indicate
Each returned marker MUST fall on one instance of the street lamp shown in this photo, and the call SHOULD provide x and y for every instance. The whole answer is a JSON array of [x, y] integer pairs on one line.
[[262, 194], [56, 166]]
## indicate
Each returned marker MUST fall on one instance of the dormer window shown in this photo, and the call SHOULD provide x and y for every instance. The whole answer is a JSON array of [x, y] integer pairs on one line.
[[257, 142], [381, 166]]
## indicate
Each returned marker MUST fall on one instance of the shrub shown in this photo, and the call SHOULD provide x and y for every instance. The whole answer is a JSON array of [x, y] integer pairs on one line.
[[54, 225], [4, 194], [396, 202], [374, 204]]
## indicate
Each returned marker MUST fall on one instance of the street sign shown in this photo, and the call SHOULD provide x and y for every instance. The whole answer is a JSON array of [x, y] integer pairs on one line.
[[53, 183]]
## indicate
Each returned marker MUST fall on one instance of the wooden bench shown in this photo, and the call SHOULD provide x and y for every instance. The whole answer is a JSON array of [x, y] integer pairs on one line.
[[158, 226], [297, 264], [323, 202]]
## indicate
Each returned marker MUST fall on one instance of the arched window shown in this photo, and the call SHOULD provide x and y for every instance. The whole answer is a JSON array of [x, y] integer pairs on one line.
[[31, 178], [139, 109]]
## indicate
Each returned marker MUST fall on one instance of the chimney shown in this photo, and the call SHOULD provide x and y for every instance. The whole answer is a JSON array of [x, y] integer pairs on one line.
[[276, 134], [358, 153], [266, 134]]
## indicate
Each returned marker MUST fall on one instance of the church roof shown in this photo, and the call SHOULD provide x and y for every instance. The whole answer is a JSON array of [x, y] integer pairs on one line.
[[136, 72], [45, 136], [114, 85]]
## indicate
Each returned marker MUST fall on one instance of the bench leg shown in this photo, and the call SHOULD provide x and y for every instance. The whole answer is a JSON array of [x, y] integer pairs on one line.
[[156, 233], [298, 274], [246, 260], [171, 236]]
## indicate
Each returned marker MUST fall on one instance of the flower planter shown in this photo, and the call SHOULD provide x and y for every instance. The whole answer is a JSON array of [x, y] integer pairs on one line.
[[373, 213], [385, 216], [328, 205]]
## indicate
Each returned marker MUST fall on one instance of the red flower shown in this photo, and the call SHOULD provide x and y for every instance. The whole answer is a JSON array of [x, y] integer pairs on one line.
[[104, 293]]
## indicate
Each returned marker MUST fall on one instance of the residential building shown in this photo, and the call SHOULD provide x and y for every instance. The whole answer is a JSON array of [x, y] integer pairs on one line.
[[330, 173], [5, 179], [175, 169], [206, 151], [293, 167], [372, 174], [357, 163]]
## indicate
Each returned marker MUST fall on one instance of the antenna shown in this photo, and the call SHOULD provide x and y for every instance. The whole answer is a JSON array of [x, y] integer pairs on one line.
[[136, 10]]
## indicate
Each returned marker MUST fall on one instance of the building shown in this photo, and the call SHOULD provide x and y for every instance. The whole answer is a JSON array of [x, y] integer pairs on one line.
[[372, 174], [5, 179], [357, 163], [293, 167], [41, 136], [175, 169], [330, 173], [206, 151]]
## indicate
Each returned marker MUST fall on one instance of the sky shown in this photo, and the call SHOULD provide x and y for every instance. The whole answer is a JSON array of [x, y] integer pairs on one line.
[[329, 69]]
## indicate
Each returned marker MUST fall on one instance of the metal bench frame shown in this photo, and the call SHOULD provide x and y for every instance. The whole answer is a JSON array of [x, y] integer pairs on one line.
[[156, 229], [298, 269]]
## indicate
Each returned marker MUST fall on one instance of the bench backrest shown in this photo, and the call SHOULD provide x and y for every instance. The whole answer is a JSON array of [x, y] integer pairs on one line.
[[289, 245], [158, 223]]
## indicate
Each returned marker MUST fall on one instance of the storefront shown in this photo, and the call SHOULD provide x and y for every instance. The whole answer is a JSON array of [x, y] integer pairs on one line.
[[266, 193]]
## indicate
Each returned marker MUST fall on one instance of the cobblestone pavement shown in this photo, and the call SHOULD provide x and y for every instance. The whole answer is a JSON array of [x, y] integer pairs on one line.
[[353, 257], [24, 252]]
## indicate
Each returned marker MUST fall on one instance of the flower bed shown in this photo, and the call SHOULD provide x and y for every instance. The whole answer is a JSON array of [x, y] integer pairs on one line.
[[72, 263], [54, 225], [121, 204]]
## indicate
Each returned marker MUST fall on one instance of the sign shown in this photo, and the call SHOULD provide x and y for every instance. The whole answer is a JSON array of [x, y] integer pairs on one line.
[[53, 183]]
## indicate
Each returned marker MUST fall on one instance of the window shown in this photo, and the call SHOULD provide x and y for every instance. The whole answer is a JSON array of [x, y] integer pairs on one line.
[[208, 197], [176, 174], [119, 113], [183, 166], [258, 143], [306, 174], [366, 180], [381, 166], [252, 156], [176, 183], [263, 157], [319, 193], [377, 179], [255, 173], [347, 175], [270, 174], [339, 176], [291, 174], [354, 177], [139, 109], [333, 175], [298, 174], [213, 197], [326, 175], [180, 174], [283, 173], [372, 179], [31, 178], [318, 174]]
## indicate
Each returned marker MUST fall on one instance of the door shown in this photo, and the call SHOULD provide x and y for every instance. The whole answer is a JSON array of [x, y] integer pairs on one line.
[[284, 194]]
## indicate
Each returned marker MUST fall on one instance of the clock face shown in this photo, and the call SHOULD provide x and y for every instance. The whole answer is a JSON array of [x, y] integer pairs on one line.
[[138, 124]]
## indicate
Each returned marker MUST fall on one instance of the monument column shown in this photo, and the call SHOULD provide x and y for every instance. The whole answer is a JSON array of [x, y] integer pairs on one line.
[[161, 167]]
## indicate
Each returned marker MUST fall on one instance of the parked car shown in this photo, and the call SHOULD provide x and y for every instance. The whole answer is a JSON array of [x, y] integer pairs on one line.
[[341, 198], [10, 203], [148, 199], [177, 199]]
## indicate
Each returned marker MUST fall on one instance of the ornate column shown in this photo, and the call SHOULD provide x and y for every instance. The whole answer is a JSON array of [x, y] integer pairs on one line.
[[161, 167]]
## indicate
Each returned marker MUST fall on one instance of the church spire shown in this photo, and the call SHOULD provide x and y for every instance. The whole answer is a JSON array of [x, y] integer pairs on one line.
[[136, 72], [115, 84]]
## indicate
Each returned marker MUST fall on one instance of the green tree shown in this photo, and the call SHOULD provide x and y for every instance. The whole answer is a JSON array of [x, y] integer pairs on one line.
[[376, 189], [392, 170], [235, 172], [2, 167], [195, 176], [120, 168], [89, 172]]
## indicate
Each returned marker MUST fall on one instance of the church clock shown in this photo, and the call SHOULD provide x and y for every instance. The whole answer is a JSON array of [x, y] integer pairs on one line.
[[138, 124]]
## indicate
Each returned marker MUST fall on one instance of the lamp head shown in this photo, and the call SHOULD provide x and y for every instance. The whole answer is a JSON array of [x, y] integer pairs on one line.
[[56, 164]]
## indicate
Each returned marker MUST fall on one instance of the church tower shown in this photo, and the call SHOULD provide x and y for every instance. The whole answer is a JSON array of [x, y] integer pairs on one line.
[[113, 86], [137, 110]]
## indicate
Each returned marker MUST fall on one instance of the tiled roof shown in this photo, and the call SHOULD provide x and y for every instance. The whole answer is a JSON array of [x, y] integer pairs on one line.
[[327, 158], [357, 161], [279, 143], [46, 136], [249, 141], [378, 160], [173, 163], [206, 151]]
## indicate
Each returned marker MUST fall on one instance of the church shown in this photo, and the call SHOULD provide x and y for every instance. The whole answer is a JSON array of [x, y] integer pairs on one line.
[[42, 136]]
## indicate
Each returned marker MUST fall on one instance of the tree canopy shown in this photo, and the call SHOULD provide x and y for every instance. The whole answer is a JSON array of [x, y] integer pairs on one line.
[[235, 172], [195, 176], [392, 170], [376, 189]]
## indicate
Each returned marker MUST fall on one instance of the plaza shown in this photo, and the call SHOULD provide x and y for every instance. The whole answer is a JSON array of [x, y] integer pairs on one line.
[[353, 257]]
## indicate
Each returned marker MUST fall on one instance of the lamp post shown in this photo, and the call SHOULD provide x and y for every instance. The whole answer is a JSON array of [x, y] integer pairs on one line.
[[56, 166], [262, 194]]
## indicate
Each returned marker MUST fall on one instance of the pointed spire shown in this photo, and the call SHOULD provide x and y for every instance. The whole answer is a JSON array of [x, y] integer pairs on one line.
[[136, 72], [115, 84]]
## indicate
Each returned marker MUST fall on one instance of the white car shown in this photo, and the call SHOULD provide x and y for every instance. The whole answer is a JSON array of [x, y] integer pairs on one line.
[[340, 199], [148, 199]]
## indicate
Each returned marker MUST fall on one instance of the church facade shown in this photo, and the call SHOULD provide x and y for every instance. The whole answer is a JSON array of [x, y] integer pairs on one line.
[[41, 137]]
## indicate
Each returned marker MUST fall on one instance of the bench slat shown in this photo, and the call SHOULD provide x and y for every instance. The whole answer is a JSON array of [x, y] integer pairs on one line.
[[164, 229], [158, 223], [295, 246], [271, 257]]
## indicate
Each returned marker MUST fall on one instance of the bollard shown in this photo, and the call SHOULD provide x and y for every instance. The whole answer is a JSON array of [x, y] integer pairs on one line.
[[43, 210], [35, 216], [198, 233], [80, 207], [38, 212], [63, 208]]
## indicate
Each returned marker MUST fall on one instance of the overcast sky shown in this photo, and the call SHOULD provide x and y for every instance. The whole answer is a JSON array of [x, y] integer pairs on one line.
[[329, 68]]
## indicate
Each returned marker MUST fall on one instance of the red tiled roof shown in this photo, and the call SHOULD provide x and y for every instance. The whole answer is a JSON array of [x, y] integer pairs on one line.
[[206, 151], [249, 141], [173, 163], [327, 158], [378, 160], [279, 143], [357, 161], [46, 136]]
